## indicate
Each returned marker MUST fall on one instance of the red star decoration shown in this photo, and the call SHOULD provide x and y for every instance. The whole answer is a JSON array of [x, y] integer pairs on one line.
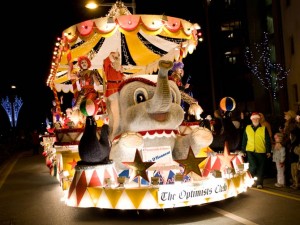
[[138, 166], [73, 164], [191, 163], [226, 157]]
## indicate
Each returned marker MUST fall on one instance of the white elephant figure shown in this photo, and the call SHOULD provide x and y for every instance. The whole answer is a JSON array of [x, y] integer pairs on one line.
[[146, 112]]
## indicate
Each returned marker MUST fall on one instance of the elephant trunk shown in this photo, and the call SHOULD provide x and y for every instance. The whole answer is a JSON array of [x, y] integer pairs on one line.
[[160, 104]]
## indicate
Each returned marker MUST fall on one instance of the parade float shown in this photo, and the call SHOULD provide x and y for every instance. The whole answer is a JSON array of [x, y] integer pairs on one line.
[[137, 153]]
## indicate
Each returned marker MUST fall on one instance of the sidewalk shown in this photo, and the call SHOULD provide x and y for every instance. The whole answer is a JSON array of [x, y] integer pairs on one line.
[[269, 185]]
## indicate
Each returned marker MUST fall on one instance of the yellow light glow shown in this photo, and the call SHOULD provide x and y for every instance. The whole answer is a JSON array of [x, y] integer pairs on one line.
[[91, 5]]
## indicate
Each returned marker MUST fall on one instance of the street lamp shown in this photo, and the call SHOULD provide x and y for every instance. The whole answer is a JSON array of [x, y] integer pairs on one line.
[[91, 4]]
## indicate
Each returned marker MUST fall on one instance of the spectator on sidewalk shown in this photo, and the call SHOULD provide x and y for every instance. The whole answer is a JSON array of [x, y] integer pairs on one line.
[[271, 171], [278, 151], [294, 158], [256, 144], [265, 123], [289, 125], [217, 123]]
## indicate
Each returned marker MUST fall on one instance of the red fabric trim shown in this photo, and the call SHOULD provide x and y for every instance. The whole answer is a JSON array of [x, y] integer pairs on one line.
[[152, 132]]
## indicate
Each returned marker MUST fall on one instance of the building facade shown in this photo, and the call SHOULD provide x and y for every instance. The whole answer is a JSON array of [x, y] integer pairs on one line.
[[290, 18], [233, 26]]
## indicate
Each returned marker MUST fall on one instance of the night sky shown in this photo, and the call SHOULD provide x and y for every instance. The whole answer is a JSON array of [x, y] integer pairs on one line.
[[28, 37]]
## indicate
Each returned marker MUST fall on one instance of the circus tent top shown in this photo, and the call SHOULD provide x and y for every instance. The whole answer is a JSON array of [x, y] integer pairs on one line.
[[142, 40]]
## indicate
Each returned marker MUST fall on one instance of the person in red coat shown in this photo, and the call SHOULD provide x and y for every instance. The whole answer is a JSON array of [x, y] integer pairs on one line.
[[114, 73]]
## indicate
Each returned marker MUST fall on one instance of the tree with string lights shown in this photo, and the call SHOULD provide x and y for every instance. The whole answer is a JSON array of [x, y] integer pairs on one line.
[[269, 74]]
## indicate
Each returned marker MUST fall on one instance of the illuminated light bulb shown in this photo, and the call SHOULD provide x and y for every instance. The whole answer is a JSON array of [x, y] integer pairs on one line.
[[66, 173], [191, 49], [184, 45], [91, 5]]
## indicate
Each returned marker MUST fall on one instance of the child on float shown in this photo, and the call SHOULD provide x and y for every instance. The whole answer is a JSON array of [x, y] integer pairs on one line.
[[278, 151]]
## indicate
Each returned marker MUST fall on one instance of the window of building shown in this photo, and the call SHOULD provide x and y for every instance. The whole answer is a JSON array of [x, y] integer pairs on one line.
[[230, 57]]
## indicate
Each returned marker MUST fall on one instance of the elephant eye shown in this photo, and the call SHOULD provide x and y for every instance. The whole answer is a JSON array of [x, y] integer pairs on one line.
[[140, 95]]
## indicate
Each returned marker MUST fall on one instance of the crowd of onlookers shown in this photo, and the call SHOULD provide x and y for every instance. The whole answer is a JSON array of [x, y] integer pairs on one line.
[[272, 147], [290, 141]]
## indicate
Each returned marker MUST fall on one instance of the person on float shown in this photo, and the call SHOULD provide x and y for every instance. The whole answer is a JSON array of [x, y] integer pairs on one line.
[[56, 114], [256, 143], [113, 70], [176, 74], [87, 79]]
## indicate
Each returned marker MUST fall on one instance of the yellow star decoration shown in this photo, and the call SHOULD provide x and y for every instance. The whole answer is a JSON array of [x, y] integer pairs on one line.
[[226, 157], [138, 166], [191, 163]]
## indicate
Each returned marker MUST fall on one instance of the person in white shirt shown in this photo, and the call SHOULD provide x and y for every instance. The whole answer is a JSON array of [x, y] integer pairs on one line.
[[278, 151]]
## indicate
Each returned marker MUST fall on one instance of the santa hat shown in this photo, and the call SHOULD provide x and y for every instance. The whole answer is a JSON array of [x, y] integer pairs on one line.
[[255, 115]]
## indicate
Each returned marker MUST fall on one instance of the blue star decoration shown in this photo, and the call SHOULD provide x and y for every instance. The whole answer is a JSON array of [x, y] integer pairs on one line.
[[138, 166], [191, 163]]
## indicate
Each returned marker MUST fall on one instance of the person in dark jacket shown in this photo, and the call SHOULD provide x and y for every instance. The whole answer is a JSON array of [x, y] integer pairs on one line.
[[293, 158]]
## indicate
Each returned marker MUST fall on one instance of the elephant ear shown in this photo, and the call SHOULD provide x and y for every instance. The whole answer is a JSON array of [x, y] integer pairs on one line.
[[114, 115]]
